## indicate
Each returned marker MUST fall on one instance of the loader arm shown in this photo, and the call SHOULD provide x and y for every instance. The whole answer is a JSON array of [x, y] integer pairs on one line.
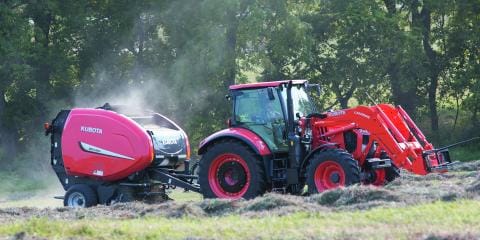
[[390, 127]]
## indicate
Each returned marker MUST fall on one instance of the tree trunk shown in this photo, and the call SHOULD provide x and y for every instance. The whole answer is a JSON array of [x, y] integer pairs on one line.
[[391, 6], [432, 101], [407, 98], [139, 71], [343, 98], [8, 139], [457, 110], [343, 102], [230, 51], [475, 115], [43, 67], [404, 96], [434, 67], [233, 18]]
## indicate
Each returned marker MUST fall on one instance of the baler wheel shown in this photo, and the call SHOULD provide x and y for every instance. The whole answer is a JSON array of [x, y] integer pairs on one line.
[[80, 196], [231, 170], [330, 169]]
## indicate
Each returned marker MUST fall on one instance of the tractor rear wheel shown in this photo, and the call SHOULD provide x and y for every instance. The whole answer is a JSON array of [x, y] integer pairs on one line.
[[231, 170], [80, 196], [331, 168]]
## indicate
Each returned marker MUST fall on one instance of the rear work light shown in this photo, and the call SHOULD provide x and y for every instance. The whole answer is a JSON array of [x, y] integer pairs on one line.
[[187, 145]]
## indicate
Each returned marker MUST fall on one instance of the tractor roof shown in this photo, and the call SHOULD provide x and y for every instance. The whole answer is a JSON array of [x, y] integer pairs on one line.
[[264, 84]]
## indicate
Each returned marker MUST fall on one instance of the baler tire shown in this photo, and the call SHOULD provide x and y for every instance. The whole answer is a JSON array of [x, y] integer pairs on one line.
[[84, 193], [339, 162], [243, 156]]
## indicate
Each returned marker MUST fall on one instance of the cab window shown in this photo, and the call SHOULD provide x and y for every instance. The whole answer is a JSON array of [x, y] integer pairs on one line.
[[255, 110]]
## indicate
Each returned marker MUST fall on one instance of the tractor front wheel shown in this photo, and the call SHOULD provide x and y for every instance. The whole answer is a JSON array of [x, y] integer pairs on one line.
[[330, 169], [231, 170]]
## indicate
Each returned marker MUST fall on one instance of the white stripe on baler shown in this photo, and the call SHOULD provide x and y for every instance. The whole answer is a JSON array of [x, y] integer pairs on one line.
[[93, 149]]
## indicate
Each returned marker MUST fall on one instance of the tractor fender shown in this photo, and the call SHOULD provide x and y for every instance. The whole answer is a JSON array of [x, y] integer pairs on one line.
[[246, 136], [322, 147]]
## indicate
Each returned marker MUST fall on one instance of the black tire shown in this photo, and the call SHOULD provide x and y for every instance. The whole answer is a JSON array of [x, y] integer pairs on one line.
[[391, 173], [80, 196], [217, 187], [336, 168]]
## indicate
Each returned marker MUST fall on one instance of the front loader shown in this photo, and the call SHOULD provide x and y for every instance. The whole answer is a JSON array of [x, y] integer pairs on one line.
[[277, 141]]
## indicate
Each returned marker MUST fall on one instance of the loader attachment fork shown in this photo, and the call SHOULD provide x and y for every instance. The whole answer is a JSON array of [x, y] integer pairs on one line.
[[443, 155]]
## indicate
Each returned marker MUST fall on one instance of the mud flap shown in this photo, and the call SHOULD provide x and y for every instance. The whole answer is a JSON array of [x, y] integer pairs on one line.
[[292, 176], [105, 194]]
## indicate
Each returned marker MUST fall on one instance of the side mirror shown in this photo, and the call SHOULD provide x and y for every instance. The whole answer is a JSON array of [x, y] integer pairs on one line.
[[271, 95], [229, 122]]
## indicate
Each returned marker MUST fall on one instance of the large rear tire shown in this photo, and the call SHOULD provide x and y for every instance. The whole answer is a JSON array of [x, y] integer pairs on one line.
[[230, 169], [80, 196], [330, 169]]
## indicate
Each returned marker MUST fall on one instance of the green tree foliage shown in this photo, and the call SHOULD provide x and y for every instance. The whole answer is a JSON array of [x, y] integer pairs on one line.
[[181, 56]]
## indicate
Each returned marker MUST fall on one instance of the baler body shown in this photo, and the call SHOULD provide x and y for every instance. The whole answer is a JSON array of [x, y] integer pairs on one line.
[[104, 145]]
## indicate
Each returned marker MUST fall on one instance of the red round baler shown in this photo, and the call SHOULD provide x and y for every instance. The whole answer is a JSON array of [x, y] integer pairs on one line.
[[104, 155]]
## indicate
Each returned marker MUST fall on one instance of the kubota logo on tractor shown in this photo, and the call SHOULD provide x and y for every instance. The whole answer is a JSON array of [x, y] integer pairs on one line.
[[91, 130]]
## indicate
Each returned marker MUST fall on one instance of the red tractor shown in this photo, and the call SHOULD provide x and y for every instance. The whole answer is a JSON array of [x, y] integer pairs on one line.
[[277, 141]]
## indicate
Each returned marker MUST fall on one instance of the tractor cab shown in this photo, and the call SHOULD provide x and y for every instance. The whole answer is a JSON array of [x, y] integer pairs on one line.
[[262, 108]]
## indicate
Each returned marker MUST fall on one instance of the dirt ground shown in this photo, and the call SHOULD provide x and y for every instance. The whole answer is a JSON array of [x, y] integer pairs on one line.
[[463, 182]]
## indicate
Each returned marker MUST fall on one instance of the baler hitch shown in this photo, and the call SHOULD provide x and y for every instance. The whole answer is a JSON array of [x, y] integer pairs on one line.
[[176, 179]]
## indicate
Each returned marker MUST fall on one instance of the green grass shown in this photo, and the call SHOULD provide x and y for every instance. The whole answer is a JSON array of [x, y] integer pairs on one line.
[[34, 190], [179, 195], [462, 217], [13, 182], [465, 154]]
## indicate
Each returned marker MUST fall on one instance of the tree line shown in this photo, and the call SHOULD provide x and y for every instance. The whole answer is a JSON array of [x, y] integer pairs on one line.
[[421, 54]]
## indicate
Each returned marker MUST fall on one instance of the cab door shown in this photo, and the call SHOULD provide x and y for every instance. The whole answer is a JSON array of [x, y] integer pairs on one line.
[[260, 110]]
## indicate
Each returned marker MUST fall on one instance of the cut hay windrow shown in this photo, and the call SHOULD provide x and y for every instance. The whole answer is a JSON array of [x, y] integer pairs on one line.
[[406, 190]]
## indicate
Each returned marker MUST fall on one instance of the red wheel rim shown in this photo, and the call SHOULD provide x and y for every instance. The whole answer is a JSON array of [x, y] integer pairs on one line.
[[328, 175], [229, 176], [379, 177]]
